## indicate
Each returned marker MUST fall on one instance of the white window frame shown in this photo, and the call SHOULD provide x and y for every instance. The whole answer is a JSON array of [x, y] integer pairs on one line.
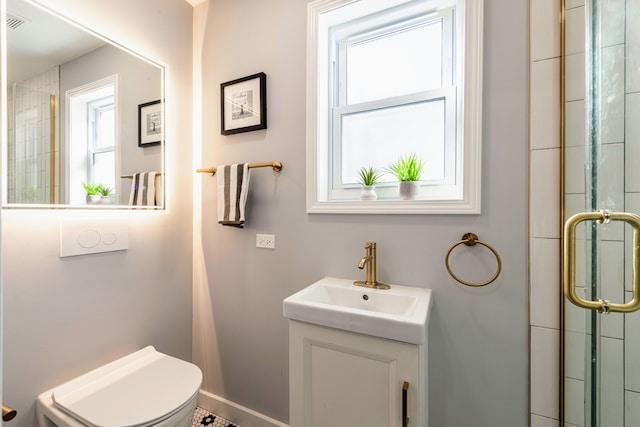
[[463, 196]]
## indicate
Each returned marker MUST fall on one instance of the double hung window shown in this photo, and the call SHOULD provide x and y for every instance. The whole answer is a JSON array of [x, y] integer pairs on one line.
[[385, 81]]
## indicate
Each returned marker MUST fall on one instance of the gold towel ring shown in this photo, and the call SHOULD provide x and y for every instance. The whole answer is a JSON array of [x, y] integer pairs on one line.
[[470, 239]]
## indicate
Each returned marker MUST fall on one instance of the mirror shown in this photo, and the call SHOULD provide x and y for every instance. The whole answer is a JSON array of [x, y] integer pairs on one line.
[[80, 109]]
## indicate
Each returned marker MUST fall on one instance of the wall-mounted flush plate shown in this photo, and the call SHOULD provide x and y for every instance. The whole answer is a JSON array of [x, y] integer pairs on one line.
[[266, 241], [90, 237]]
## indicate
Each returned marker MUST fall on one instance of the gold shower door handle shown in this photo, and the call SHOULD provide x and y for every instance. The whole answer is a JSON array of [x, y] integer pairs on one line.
[[602, 217]]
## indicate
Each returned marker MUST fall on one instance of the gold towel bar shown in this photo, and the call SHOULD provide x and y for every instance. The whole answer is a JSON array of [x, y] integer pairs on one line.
[[470, 239], [131, 176], [8, 413], [276, 166]]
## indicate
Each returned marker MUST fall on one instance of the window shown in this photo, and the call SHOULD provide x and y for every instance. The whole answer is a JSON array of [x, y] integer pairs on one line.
[[92, 136], [389, 79], [101, 147]]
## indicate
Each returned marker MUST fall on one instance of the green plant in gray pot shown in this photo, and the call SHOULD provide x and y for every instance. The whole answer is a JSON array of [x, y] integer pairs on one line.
[[368, 178], [408, 171]]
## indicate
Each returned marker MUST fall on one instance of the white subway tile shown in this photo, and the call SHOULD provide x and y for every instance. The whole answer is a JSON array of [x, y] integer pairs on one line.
[[538, 421], [574, 124], [545, 350], [574, 31], [632, 143], [545, 198], [612, 382], [574, 402], [632, 408], [575, 345], [575, 86], [612, 22], [545, 283], [633, 46], [545, 104], [612, 80], [632, 349], [545, 28], [575, 170]]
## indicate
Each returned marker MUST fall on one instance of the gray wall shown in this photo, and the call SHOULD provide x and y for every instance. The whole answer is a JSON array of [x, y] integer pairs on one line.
[[478, 356], [64, 316]]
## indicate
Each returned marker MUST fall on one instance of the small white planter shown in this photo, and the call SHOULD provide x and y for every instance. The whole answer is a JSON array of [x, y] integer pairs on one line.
[[107, 200], [368, 192], [409, 190], [93, 199]]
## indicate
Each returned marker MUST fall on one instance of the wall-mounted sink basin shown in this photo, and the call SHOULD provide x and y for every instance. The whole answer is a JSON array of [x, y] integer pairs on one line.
[[400, 313]]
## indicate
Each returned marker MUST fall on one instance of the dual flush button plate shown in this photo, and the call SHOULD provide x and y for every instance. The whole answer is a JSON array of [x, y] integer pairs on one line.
[[90, 237]]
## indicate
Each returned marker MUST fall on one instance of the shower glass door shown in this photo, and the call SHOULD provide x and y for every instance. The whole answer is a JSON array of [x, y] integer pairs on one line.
[[601, 352]]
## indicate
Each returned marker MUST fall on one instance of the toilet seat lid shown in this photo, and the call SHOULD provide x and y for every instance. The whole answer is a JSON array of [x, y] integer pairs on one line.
[[138, 389]]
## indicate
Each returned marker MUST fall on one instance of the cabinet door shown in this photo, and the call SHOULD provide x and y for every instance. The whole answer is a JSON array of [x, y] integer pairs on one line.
[[344, 379]]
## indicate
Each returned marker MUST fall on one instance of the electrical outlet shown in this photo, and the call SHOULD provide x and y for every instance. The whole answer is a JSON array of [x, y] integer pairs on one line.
[[266, 241]]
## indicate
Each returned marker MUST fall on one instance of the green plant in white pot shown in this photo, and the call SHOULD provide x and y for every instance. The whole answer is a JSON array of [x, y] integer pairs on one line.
[[408, 171], [93, 191], [368, 178], [106, 195]]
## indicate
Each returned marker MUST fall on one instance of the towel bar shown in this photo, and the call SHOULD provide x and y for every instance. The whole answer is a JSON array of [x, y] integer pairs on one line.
[[131, 176], [276, 166]]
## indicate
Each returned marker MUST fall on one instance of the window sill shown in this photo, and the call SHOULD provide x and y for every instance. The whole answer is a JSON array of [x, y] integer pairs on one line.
[[384, 207]]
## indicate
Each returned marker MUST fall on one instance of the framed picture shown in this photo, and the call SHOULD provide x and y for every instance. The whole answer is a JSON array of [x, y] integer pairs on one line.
[[149, 124], [244, 104]]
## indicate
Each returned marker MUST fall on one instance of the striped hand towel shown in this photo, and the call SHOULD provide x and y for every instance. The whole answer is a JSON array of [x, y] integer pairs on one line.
[[143, 189], [233, 187]]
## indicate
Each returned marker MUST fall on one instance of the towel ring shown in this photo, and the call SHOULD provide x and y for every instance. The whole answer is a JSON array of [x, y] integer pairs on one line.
[[470, 239]]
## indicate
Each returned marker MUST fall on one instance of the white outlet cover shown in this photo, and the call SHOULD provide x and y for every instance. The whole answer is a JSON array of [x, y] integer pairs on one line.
[[90, 237]]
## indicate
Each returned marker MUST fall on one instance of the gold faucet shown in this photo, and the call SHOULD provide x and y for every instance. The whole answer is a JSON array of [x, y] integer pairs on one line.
[[370, 261]]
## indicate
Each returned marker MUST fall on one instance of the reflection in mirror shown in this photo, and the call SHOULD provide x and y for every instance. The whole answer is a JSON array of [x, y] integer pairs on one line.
[[73, 116]]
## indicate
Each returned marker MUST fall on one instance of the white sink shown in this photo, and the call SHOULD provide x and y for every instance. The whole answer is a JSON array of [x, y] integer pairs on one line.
[[400, 313]]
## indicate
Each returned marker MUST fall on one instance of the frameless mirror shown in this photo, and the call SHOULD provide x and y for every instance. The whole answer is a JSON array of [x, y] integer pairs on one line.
[[81, 112]]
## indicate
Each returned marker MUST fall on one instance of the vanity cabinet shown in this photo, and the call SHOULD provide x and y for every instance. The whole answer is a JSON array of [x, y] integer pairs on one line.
[[344, 379]]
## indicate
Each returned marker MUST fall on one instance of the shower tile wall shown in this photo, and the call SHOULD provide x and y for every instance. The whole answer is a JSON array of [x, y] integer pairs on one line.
[[29, 132], [544, 244], [544, 232]]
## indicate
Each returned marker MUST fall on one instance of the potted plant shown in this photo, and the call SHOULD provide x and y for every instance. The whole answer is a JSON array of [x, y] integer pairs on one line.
[[94, 194], [368, 178], [407, 170], [106, 195]]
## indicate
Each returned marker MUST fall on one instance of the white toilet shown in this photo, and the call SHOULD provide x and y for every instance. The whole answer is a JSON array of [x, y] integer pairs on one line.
[[145, 388]]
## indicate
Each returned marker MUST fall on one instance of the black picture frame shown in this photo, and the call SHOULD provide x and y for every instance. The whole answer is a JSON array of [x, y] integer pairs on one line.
[[243, 104], [149, 124]]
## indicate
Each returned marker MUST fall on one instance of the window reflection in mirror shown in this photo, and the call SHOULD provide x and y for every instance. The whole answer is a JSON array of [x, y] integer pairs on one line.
[[72, 113]]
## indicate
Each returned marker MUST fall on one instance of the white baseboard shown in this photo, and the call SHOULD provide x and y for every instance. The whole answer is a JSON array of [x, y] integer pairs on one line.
[[245, 417]]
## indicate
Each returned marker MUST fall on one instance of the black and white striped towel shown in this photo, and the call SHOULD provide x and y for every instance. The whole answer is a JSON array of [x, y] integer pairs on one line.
[[143, 189], [233, 187]]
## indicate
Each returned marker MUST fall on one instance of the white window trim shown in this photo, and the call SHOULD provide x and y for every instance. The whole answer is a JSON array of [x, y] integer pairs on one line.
[[470, 124]]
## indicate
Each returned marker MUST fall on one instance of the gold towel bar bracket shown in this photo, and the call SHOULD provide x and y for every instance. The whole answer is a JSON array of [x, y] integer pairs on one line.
[[471, 239], [276, 166]]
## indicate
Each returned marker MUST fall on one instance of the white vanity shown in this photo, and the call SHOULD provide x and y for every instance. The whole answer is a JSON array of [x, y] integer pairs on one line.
[[357, 356]]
